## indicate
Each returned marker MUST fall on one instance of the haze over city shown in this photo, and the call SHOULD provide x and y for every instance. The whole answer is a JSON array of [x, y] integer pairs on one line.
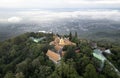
[[19, 16]]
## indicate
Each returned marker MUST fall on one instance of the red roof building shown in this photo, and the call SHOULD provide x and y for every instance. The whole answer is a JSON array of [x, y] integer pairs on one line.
[[53, 56]]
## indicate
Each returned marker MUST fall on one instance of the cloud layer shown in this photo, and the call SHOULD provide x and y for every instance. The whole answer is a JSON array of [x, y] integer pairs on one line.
[[45, 16]]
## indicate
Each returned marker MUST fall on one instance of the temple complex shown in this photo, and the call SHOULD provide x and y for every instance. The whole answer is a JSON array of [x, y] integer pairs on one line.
[[58, 43]]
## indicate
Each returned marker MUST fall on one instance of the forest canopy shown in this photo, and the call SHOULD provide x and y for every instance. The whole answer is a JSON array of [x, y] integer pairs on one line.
[[21, 57]]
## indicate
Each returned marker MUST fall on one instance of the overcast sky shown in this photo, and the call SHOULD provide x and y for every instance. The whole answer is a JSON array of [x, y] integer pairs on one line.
[[33, 10], [37, 4]]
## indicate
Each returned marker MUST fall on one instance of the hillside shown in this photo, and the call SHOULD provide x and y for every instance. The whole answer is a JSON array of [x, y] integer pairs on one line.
[[25, 56], [112, 36]]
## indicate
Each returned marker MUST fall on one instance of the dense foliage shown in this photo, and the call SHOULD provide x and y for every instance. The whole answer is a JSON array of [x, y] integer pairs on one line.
[[20, 57]]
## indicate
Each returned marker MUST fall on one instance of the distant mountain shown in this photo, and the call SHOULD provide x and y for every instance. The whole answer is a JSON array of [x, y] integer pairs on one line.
[[109, 36]]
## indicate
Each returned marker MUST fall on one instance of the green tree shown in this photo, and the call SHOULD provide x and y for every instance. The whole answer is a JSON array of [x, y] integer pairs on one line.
[[65, 71], [23, 66], [42, 72], [90, 72], [81, 63], [20, 75], [76, 35], [70, 36], [109, 71], [9, 75], [70, 53]]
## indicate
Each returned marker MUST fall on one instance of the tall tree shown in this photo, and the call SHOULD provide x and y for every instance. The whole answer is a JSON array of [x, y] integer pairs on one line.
[[9, 75], [90, 72], [70, 53], [65, 71], [76, 35], [70, 35], [20, 75]]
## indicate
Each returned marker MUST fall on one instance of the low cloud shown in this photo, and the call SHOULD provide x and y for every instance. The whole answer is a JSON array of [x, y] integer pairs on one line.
[[3, 20], [51, 16], [14, 19], [46, 16]]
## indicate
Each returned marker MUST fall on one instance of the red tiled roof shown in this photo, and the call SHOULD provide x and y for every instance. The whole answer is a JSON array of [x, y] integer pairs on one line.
[[53, 56]]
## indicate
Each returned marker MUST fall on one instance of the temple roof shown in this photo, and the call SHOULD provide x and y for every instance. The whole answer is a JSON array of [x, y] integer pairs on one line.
[[61, 41], [53, 56]]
